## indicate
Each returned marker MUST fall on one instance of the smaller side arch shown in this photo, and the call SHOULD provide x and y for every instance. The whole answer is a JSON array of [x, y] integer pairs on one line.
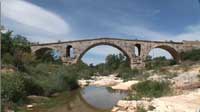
[[174, 53], [44, 53], [35, 49]]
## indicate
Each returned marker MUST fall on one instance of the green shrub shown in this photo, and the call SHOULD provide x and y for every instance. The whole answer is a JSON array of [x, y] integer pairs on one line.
[[141, 109], [128, 73], [7, 59], [152, 88], [46, 78], [198, 76], [31, 87], [12, 88], [193, 55]]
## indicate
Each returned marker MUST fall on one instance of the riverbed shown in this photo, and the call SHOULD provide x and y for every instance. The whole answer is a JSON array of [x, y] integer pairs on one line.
[[87, 99]]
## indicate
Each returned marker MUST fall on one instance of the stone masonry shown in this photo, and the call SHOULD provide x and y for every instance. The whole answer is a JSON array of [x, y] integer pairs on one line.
[[80, 47]]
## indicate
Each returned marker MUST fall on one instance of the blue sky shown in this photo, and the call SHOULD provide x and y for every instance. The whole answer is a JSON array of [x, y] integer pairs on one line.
[[53, 20]]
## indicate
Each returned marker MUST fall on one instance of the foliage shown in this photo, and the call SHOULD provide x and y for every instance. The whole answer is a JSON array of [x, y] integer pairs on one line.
[[128, 73], [44, 55], [13, 49], [21, 43], [141, 109], [193, 55], [113, 61], [198, 76], [51, 78], [152, 88], [6, 43], [12, 87], [8, 59]]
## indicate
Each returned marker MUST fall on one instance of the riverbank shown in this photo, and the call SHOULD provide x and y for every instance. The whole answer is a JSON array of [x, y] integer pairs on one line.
[[185, 97], [184, 80], [111, 80]]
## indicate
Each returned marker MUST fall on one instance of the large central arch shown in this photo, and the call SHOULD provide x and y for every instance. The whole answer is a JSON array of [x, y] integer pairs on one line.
[[108, 44]]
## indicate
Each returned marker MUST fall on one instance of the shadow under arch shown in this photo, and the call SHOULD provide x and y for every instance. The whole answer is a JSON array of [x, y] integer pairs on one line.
[[170, 50], [43, 48], [47, 53], [108, 44]]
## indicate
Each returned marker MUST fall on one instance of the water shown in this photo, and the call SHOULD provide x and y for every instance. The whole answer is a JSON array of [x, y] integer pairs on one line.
[[88, 99]]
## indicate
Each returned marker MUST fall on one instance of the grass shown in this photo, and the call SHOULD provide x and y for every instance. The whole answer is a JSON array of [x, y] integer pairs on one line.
[[152, 89], [166, 73], [128, 73]]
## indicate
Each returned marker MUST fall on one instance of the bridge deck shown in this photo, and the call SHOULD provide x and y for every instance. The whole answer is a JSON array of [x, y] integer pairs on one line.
[[107, 39]]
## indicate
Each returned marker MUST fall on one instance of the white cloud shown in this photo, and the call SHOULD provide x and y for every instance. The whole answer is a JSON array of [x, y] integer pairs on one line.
[[142, 32], [191, 32], [33, 17]]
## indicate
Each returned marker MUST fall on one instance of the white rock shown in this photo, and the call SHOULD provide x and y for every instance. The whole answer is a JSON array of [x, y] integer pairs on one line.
[[181, 103], [125, 85], [29, 106]]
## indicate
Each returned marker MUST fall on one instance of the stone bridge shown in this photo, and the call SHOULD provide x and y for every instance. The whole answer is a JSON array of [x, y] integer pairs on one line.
[[72, 51]]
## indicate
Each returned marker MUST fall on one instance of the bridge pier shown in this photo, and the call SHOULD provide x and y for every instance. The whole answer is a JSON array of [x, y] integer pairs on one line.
[[137, 63]]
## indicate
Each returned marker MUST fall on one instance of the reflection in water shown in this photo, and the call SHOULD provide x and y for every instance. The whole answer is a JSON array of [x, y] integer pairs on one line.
[[89, 99], [101, 97]]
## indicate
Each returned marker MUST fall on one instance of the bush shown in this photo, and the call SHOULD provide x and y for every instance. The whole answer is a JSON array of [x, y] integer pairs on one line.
[[128, 73], [193, 55], [47, 79], [7, 59], [141, 109], [31, 87], [13, 88], [152, 88]]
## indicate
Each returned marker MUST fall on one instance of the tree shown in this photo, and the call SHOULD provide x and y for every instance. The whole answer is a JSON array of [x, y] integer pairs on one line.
[[6, 43], [114, 61], [20, 42]]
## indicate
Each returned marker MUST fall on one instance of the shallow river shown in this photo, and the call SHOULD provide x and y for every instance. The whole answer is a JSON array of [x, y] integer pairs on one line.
[[88, 99]]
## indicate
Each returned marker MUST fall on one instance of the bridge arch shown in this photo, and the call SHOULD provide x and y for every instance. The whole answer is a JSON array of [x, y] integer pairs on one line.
[[104, 43], [41, 52], [172, 51], [34, 50]]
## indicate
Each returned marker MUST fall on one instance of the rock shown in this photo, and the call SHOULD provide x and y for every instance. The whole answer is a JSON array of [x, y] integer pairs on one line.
[[115, 109], [37, 98], [55, 94], [29, 106], [10, 111], [125, 85], [185, 79], [125, 104], [181, 103], [83, 83], [105, 80], [131, 106]]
